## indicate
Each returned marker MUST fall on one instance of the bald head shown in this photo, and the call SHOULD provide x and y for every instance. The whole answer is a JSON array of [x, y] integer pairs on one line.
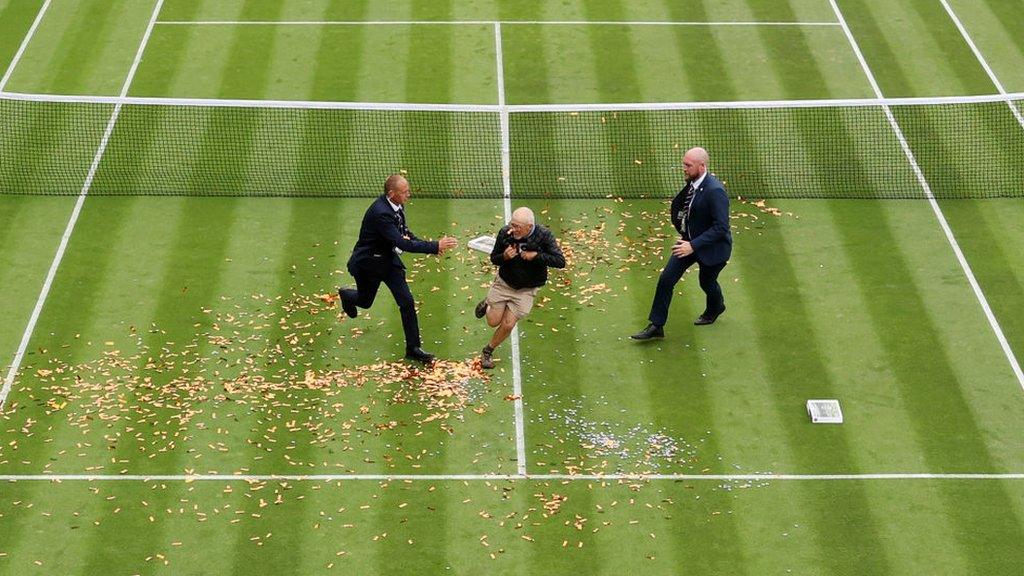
[[522, 222], [396, 188], [522, 215], [695, 162], [394, 182]]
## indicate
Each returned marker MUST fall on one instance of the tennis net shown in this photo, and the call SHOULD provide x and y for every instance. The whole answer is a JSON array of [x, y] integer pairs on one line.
[[963, 147]]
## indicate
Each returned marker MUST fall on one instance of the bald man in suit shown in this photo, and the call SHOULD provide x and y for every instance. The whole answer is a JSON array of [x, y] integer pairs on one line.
[[384, 235], [700, 213]]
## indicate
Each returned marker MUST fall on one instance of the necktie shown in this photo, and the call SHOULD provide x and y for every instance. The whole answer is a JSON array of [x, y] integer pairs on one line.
[[402, 227], [688, 199]]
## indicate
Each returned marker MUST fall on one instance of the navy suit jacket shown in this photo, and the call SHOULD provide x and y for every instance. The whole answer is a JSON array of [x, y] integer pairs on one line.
[[379, 234], [707, 222]]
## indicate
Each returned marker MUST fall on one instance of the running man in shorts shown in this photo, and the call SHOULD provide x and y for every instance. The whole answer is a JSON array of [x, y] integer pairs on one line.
[[523, 251]]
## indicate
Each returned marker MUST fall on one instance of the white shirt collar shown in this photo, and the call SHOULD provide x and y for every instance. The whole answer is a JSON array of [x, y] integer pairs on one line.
[[394, 206], [700, 180]]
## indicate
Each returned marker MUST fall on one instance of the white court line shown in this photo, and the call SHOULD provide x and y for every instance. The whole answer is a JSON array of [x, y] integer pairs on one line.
[[495, 477], [52, 272], [24, 44], [981, 59], [506, 182], [481, 23], [1014, 364]]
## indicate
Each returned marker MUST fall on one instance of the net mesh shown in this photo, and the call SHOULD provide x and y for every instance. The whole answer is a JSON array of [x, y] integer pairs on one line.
[[965, 149]]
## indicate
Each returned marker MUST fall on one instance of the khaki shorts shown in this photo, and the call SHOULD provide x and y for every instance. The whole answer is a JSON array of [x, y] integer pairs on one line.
[[520, 302]]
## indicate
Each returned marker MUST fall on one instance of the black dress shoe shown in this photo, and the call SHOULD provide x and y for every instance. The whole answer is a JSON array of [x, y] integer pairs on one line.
[[480, 309], [347, 305], [419, 355], [651, 331], [705, 319]]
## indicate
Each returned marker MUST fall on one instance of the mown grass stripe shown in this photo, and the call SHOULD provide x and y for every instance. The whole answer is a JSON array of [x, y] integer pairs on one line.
[[137, 141], [928, 381], [1008, 16], [246, 71], [82, 42], [171, 311], [560, 376], [548, 381], [74, 303], [422, 50], [794, 356], [993, 250], [890, 65], [885, 304], [793, 359], [284, 231], [952, 47], [20, 21], [916, 353], [337, 71], [688, 366]]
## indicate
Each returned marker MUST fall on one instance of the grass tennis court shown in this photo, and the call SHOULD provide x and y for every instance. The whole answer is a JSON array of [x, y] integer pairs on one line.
[[184, 339]]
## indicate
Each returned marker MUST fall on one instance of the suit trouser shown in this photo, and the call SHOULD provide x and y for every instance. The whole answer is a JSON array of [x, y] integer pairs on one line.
[[674, 268], [367, 284]]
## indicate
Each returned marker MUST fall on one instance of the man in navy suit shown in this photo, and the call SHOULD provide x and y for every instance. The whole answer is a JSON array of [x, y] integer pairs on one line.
[[382, 237], [700, 212]]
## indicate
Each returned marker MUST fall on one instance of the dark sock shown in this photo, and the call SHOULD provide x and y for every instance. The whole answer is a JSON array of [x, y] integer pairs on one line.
[[488, 350]]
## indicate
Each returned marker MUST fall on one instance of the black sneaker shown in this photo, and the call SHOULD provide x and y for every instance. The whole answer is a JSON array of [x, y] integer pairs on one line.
[[481, 309], [485, 359]]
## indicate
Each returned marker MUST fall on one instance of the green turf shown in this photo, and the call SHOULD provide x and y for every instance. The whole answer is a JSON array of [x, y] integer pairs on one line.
[[980, 227], [83, 47], [406, 63], [673, 64], [441, 527], [162, 305], [991, 240], [283, 152], [995, 142], [240, 300], [30, 229], [999, 34], [813, 316], [49, 147], [641, 10], [16, 16], [914, 49], [800, 153]]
